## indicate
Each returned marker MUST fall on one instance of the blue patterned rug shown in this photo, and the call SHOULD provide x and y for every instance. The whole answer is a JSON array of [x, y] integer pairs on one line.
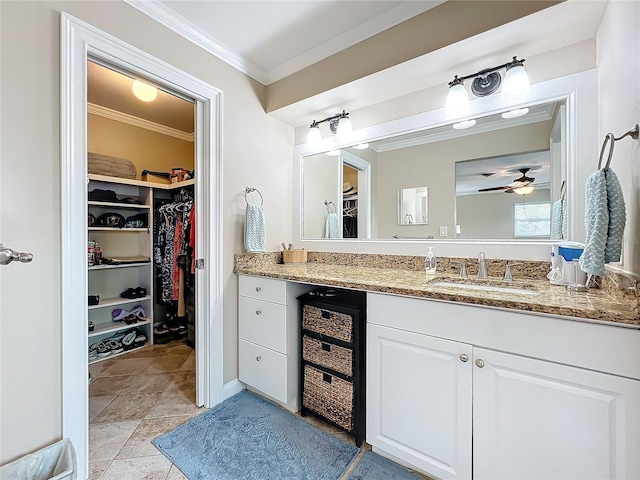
[[248, 438], [374, 467]]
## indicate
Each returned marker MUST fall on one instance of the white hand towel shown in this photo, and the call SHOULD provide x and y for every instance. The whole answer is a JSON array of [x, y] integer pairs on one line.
[[255, 230], [331, 226], [617, 218], [559, 220]]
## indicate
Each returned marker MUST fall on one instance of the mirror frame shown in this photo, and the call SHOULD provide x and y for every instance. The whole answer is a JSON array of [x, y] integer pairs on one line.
[[580, 93]]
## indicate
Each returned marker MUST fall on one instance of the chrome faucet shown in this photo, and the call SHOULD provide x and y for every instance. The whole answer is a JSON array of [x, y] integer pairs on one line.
[[508, 277], [482, 267], [463, 269]]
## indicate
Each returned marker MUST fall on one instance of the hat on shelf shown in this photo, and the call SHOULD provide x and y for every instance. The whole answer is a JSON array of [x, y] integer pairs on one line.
[[348, 189]]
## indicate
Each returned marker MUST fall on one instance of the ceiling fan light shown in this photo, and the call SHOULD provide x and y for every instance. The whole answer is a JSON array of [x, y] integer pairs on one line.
[[516, 80], [515, 113], [314, 137], [144, 91], [344, 129], [526, 190], [465, 124], [457, 99]]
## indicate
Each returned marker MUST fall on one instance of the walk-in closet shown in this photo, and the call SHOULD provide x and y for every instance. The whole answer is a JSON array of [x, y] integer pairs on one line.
[[141, 264]]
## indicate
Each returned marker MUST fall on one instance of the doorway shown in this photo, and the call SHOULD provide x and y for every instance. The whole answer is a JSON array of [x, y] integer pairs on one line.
[[79, 42]]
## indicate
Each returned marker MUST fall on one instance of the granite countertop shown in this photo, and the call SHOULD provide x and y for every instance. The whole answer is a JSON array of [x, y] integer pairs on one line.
[[536, 295]]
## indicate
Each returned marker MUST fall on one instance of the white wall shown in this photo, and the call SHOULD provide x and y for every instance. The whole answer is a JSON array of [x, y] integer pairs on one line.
[[30, 383], [325, 172], [618, 47]]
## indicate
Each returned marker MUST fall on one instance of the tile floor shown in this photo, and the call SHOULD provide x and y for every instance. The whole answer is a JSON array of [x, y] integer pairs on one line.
[[138, 396]]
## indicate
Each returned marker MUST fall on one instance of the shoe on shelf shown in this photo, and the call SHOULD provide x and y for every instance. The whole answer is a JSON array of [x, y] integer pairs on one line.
[[140, 340], [103, 349], [128, 316], [161, 330], [92, 326], [132, 293], [129, 338]]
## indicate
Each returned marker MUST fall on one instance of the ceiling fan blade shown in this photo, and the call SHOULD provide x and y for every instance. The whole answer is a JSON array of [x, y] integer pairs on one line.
[[492, 189]]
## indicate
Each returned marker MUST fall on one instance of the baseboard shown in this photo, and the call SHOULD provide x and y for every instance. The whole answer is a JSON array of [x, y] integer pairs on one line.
[[231, 388]]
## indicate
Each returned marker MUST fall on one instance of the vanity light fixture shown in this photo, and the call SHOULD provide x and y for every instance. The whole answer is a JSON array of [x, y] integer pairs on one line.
[[465, 124], [339, 124], [144, 91], [526, 190], [515, 113], [485, 82]]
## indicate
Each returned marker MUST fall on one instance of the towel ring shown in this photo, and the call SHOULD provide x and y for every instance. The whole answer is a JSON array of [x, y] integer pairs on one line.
[[249, 190], [329, 204], [610, 137]]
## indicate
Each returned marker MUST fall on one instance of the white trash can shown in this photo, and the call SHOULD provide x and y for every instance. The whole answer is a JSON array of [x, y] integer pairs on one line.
[[55, 462]]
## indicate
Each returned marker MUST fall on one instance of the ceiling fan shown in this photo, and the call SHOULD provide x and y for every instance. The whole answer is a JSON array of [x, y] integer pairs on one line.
[[518, 184]]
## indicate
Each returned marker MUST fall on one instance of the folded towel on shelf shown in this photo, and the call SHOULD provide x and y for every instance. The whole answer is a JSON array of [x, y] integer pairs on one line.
[[255, 230], [559, 220], [605, 218], [331, 228]]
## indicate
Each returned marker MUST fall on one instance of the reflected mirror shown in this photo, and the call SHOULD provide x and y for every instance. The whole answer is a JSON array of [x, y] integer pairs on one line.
[[446, 183]]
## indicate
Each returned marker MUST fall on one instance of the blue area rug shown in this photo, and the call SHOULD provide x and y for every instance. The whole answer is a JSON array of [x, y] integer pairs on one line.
[[248, 438], [374, 467]]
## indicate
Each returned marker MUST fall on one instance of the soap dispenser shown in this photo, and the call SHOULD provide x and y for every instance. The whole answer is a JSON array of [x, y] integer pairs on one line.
[[430, 263]]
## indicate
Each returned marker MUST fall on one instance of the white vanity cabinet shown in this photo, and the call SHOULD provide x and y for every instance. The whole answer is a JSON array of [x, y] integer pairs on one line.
[[541, 397], [269, 331]]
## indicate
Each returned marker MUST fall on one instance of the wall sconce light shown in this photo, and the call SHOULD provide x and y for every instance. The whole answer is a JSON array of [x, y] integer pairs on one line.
[[485, 82], [339, 124]]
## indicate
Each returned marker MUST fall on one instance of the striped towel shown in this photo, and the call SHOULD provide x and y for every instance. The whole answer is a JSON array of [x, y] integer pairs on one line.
[[605, 219], [255, 230], [331, 229]]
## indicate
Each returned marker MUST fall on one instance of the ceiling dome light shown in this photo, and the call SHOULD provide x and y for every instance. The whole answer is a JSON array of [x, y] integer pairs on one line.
[[314, 138], [361, 146], [526, 190], [344, 130], [144, 91], [465, 124], [515, 113], [516, 80], [457, 99]]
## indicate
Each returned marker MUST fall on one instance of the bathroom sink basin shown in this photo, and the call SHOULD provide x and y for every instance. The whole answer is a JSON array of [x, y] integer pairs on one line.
[[519, 288]]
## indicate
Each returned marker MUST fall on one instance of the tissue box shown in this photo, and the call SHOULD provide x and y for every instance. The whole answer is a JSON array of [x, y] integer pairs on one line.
[[294, 256]]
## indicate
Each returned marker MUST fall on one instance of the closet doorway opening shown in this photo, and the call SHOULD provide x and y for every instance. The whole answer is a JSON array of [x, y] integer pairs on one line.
[[82, 43]]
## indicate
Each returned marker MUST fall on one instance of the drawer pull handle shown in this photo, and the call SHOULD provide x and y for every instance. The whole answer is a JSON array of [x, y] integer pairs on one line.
[[326, 347], [479, 363], [258, 289], [258, 312], [326, 377], [258, 358], [326, 314]]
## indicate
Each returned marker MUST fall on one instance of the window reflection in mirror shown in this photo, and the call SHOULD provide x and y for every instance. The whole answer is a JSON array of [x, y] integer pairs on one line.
[[430, 159]]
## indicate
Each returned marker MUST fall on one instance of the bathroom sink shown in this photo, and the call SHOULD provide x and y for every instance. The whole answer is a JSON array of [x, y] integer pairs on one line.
[[495, 286]]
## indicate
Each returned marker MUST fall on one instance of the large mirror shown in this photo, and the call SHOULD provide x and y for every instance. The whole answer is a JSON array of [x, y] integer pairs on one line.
[[552, 148], [495, 179]]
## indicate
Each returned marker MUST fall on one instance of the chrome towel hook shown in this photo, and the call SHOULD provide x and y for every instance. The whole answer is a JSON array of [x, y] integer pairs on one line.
[[610, 137]]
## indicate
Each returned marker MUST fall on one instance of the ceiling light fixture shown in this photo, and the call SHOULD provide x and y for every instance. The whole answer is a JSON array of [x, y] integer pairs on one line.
[[361, 146], [465, 124], [333, 153], [515, 113], [144, 91], [485, 82], [339, 124], [526, 190]]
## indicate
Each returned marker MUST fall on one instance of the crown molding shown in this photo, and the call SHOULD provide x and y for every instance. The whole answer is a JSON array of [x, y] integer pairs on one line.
[[196, 35], [138, 122]]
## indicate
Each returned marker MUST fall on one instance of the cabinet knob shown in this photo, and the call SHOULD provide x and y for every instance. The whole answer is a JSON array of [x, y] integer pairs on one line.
[[479, 363], [258, 312], [464, 357], [258, 289], [258, 358]]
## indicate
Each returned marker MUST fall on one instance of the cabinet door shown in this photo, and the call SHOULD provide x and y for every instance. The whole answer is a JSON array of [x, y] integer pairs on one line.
[[419, 400], [263, 369], [540, 420]]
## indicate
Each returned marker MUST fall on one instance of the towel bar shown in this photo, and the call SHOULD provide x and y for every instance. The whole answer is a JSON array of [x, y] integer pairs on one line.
[[249, 190], [610, 137]]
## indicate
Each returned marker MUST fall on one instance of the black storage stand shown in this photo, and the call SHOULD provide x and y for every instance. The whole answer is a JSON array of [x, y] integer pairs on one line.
[[332, 373]]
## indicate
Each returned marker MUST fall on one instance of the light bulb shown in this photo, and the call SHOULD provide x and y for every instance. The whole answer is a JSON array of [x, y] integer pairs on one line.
[[516, 81], [526, 190], [361, 146], [344, 130], [515, 113], [314, 138], [144, 91], [465, 124], [457, 99]]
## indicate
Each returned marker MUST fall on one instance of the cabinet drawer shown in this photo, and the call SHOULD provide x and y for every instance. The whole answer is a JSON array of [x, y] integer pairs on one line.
[[263, 323], [263, 369], [328, 355], [326, 322], [263, 289], [328, 395]]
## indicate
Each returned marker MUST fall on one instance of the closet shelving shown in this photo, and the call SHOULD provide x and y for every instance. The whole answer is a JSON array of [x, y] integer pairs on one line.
[[109, 280]]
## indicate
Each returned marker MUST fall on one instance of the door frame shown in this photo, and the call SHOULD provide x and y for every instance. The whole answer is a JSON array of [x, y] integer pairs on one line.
[[79, 41]]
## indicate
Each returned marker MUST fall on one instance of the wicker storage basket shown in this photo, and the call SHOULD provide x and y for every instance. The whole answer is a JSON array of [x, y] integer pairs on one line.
[[333, 324], [329, 396], [328, 355]]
